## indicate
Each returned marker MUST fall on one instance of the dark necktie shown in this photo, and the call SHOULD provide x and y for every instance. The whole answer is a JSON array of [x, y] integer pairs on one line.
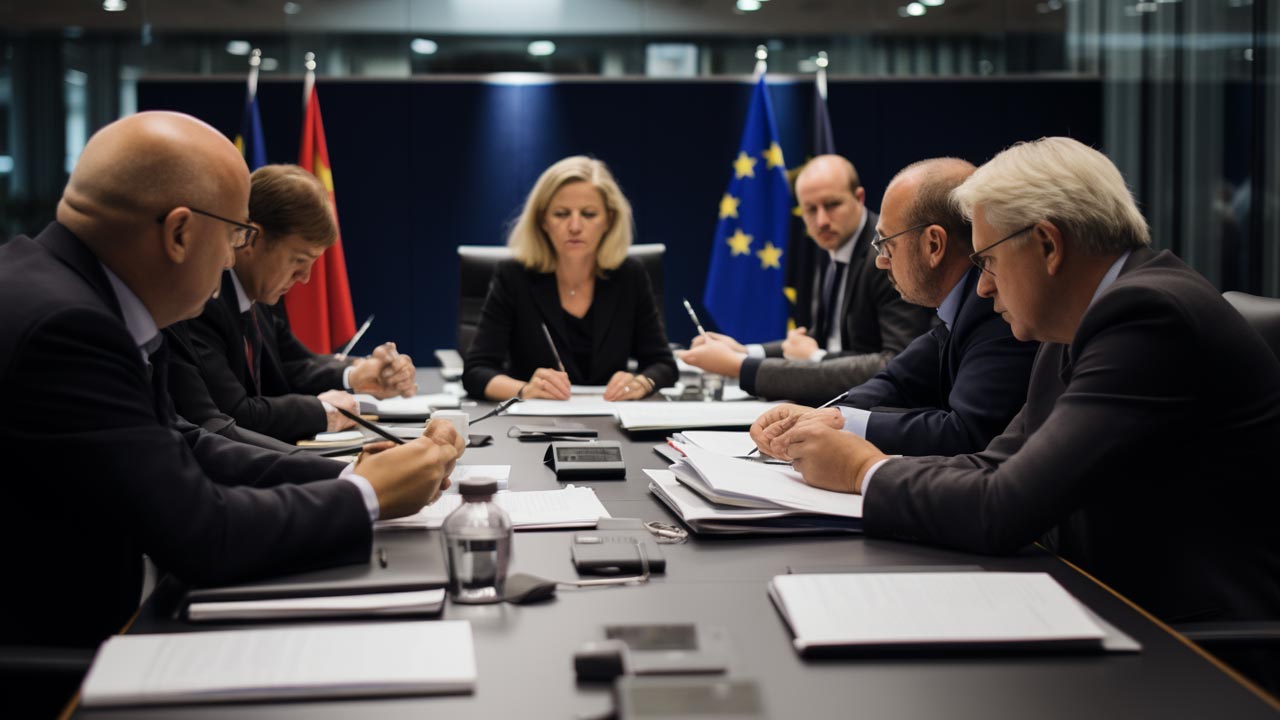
[[830, 301], [253, 347]]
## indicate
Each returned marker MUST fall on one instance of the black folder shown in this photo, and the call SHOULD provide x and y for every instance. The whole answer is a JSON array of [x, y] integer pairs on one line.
[[399, 562]]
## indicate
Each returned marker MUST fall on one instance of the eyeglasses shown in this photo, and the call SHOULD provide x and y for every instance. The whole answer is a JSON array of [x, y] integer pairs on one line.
[[881, 244], [979, 259], [246, 234]]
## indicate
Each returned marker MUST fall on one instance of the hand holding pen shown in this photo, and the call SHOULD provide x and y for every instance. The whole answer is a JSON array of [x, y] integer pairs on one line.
[[548, 383]]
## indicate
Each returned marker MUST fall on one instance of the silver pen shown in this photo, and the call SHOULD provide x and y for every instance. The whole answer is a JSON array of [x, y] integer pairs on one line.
[[351, 344], [694, 317]]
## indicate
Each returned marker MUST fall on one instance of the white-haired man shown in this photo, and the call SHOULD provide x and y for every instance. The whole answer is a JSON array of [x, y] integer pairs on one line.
[[1151, 409]]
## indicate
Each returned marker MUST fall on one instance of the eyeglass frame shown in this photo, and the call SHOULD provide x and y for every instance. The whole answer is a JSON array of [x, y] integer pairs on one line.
[[251, 232], [976, 257], [878, 243]]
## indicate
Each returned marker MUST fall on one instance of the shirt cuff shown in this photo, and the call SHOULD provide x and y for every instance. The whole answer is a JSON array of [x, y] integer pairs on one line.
[[327, 407], [366, 490], [855, 420], [866, 481], [817, 355], [755, 350], [346, 377], [747, 374]]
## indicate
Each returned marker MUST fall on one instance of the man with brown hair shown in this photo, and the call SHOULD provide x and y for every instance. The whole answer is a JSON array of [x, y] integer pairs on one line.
[[240, 360]]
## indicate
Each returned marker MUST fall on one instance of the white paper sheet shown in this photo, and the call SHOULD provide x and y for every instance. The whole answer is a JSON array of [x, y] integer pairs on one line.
[[931, 608], [720, 442], [501, 473], [683, 415], [587, 405], [569, 506], [296, 662]]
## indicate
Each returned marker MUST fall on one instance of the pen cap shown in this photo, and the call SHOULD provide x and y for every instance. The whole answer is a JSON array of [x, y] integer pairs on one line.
[[477, 488]]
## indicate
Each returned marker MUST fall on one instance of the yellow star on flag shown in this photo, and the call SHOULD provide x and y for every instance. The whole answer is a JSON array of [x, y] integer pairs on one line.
[[740, 242], [744, 166], [773, 157], [769, 256], [729, 206]]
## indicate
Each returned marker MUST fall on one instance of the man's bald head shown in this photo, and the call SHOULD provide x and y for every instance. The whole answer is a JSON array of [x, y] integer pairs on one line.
[[926, 186], [827, 166], [138, 167], [145, 197]]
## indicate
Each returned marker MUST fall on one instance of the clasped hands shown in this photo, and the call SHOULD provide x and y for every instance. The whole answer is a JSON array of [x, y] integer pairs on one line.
[[816, 444], [407, 477], [385, 373], [554, 385]]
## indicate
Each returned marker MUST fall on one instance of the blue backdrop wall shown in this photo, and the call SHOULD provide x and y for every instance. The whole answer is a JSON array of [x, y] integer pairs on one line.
[[421, 167]]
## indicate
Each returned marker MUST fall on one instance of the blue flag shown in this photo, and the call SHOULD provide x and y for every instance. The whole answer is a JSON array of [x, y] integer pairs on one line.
[[249, 141], [744, 284]]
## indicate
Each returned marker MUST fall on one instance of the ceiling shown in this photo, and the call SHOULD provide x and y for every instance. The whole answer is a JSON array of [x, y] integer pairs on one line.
[[540, 17]]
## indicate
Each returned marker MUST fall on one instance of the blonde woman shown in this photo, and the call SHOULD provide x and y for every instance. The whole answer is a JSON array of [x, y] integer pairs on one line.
[[571, 273]]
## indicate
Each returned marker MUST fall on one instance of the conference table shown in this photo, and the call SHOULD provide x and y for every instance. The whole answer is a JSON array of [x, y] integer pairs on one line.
[[524, 653]]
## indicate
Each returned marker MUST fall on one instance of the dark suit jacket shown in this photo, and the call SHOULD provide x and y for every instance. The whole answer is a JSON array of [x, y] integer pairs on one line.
[[1149, 443], [950, 393], [92, 446], [877, 324], [876, 319], [625, 324], [214, 378]]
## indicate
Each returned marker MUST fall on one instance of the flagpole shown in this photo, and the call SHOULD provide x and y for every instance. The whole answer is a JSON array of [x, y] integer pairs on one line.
[[822, 73], [255, 59], [309, 80], [762, 61]]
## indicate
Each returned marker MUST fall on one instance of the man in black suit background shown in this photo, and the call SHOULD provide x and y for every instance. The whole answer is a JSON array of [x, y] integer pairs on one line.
[[1148, 434], [953, 388], [860, 320], [240, 359], [146, 225]]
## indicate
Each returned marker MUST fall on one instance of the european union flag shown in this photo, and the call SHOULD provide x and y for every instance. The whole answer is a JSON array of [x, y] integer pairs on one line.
[[249, 142], [744, 284]]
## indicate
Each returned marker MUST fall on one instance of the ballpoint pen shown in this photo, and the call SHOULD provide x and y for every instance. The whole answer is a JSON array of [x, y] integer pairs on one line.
[[501, 408], [694, 317], [351, 344], [826, 404], [370, 426], [551, 344]]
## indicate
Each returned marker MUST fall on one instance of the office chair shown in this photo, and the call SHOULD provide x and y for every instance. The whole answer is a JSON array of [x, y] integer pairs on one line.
[[1263, 313], [1250, 645], [476, 264]]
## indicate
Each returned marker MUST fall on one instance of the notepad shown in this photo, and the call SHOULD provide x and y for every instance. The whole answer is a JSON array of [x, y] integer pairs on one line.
[[931, 611], [721, 442], [567, 507], [398, 658], [389, 604]]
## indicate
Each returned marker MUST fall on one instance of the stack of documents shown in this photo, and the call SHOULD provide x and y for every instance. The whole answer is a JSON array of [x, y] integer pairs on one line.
[[577, 405], [567, 507], [682, 415], [401, 658], [720, 442], [932, 611], [716, 493]]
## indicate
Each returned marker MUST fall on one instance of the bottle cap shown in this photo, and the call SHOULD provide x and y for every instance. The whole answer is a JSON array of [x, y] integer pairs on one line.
[[477, 487]]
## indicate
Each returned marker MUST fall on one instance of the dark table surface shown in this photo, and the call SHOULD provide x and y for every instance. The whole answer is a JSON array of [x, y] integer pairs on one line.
[[524, 653]]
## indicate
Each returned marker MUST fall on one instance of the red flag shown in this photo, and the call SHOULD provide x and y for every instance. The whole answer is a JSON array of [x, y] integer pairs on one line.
[[320, 310]]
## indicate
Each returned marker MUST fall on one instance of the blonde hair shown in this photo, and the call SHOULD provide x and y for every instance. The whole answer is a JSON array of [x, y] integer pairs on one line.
[[287, 200], [1061, 180], [530, 244]]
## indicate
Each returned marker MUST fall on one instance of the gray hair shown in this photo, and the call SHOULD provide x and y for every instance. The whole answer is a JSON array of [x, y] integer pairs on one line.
[[1061, 180]]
